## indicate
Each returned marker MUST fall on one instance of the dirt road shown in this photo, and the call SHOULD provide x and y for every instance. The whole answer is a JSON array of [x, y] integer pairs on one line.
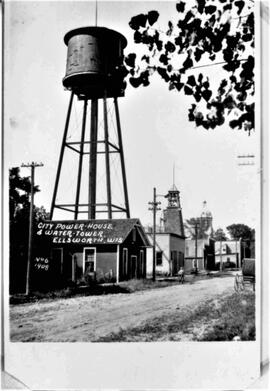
[[91, 317]]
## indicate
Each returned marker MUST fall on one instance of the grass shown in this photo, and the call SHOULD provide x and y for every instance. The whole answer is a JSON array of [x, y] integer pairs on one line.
[[146, 284], [236, 317], [220, 319], [94, 289]]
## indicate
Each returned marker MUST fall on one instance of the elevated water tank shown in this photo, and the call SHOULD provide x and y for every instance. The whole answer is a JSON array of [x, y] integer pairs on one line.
[[95, 62]]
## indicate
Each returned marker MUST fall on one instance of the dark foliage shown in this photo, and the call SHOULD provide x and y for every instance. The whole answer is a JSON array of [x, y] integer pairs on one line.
[[219, 234], [19, 209], [242, 231], [212, 31]]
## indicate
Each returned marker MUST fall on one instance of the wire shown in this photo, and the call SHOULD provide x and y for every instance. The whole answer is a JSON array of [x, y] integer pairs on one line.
[[200, 66], [218, 63]]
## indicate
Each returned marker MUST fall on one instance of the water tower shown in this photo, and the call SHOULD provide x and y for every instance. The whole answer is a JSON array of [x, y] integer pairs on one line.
[[95, 75]]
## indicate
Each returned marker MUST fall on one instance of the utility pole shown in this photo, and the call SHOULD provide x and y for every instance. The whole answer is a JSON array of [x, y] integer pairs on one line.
[[220, 254], [154, 209], [196, 245], [32, 165]]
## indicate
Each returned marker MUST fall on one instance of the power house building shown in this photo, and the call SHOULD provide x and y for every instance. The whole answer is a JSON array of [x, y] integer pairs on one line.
[[85, 250]]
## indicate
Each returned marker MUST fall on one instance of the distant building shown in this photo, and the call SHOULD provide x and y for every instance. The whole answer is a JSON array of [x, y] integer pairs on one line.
[[199, 247], [205, 254], [206, 222], [229, 252], [170, 238], [232, 252]]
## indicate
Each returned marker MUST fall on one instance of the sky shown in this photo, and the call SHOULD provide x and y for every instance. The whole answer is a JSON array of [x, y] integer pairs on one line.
[[157, 135]]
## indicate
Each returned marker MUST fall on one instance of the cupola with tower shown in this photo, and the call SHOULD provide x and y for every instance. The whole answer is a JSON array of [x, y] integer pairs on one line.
[[172, 215], [206, 221]]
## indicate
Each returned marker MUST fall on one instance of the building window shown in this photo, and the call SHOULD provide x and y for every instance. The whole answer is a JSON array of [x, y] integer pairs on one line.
[[159, 258], [89, 260]]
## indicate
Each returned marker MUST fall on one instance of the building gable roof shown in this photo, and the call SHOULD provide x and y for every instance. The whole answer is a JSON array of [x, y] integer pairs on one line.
[[102, 231]]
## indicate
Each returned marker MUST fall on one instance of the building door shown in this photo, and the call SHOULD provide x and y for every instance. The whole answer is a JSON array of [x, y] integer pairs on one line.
[[174, 262], [77, 267], [133, 266]]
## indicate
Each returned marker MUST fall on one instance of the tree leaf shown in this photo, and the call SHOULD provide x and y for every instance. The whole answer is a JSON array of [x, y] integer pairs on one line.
[[201, 5], [206, 84], [163, 73], [210, 9], [240, 4], [199, 118], [188, 90], [179, 86], [178, 41], [234, 123], [191, 111], [169, 32], [135, 81], [206, 94], [247, 37], [191, 81], [200, 78], [163, 59], [198, 54], [180, 7], [227, 7], [130, 60], [169, 47], [197, 95], [137, 37], [188, 63], [138, 21], [145, 58], [152, 17], [145, 78]]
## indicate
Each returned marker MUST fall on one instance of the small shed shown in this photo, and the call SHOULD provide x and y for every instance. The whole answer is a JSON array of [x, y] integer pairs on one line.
[[77, 251]]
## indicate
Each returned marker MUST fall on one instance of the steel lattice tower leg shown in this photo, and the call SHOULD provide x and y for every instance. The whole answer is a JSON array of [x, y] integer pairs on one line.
[[110, 207]]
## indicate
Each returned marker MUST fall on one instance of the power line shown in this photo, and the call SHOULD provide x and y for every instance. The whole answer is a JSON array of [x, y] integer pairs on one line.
[[218, 63], [197, 67], [32, 165], [154, 208]]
